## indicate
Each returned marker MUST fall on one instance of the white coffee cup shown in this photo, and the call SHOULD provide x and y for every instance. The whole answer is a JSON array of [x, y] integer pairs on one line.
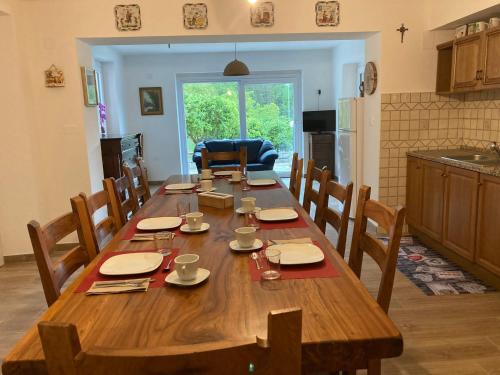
[[494, 22], [206, 185], [248, 204], [245, 236], [187, 266], [194, 220], [236, 176], [206, 174]]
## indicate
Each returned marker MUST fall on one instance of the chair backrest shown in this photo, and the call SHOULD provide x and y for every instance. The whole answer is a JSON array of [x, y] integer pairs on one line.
[[43, 239], [229, 156], [123, 204], [279, 354], [138, 179], [310, 194], [296, 175], [95, 234], [338, 220], [391, 220]]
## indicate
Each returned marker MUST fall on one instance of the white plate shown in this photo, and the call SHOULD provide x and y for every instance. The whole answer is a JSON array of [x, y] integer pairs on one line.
[[201, 276], [261, 182], [233, 181], [240, 210], [183, 186], [294, 253], [236, 247], [131, 264], [223, 173], [277, 214], [200, 190], [159, 223], [204, 228]]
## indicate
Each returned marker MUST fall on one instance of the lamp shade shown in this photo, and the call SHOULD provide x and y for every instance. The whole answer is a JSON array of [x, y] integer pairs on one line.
[[236, 68]]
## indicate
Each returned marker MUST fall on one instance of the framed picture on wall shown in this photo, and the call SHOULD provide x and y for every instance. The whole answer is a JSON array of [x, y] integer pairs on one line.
[[262, 14], [327, 13], [195, 16], [151, 99], [89, 82]]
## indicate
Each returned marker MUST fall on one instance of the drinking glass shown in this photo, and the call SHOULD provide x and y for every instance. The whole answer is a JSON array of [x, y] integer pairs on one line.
[[244, 185], [251, 220], [164, 242], [272, 264], [183, 207]]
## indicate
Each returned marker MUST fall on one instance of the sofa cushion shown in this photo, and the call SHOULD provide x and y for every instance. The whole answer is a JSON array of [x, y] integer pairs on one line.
[[219, 145], [253, 147], [266, 146]]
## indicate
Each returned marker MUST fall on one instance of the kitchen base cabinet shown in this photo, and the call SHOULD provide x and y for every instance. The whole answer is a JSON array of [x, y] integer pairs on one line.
[[459, 212], [488, 224], [432, 199]]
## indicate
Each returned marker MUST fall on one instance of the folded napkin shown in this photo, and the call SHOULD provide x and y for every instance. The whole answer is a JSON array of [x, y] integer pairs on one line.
[[294, 240], [119, 286]]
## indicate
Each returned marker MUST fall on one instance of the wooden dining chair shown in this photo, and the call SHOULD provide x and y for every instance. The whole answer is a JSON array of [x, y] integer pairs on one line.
[[229, 156], [338, 220], [123, 204], [279, 354], [322, 176], [138, 179], [97, 235], [296, 175], [386, 256], [43, 239]]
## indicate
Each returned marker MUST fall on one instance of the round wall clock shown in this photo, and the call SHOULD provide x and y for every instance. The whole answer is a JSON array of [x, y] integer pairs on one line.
[[370, 78]]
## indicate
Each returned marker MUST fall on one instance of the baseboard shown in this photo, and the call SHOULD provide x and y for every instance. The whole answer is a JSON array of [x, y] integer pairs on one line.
[[467, 265]]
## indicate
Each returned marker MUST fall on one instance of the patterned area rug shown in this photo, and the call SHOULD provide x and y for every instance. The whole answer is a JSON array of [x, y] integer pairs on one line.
[[435, 274]]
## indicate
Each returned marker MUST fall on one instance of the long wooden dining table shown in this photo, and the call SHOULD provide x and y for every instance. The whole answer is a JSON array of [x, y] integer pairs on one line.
[[343, 326]]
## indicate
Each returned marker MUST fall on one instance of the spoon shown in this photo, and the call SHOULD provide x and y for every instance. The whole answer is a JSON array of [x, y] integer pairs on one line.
[[255, 257], [167, 267]]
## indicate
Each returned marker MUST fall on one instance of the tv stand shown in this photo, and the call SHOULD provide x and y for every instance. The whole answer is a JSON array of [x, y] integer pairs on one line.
[[322, 150]]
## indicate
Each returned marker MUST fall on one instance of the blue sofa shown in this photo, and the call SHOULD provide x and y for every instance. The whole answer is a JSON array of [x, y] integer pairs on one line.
[[261, 154]]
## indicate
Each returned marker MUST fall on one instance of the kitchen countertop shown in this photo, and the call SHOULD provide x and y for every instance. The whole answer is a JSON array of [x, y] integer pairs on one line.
[[437, 156]]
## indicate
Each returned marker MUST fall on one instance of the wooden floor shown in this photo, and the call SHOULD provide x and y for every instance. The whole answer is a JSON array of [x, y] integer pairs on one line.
[[445, 335]]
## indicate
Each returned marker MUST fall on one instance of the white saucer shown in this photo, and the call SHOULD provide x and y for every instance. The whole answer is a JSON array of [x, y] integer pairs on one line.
[[204, 227], [235, 182], [256, 246], [210, 178], [200, 190], [201, 276], [241, 211]]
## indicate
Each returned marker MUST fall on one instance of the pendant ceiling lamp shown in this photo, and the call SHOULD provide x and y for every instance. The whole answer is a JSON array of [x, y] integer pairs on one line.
[[236, 67]]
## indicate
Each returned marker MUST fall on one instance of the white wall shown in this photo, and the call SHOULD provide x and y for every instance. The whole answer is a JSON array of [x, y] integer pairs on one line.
[[161, 137], [47, 31], [351, 52]]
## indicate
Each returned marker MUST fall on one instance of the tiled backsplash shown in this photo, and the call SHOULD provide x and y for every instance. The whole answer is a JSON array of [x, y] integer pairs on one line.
[[426, 121]]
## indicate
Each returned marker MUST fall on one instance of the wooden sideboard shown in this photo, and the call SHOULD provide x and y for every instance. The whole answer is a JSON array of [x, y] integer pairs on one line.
[[323, 150], [119, 149]]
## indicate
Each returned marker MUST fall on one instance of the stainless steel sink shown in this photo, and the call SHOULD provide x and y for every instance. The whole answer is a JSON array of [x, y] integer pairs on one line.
[[481, 159]]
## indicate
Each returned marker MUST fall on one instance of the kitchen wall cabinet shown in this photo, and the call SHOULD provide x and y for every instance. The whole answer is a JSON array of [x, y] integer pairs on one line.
[[488, 224], [460, 209], [414, 192], [470, 63], [432, 199], [467, 58]]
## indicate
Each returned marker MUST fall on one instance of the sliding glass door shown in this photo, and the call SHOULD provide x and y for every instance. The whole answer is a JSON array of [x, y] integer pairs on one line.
[[260, 106]]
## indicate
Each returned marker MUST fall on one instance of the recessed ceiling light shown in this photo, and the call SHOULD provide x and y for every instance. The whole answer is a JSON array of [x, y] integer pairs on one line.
[[252, 1]]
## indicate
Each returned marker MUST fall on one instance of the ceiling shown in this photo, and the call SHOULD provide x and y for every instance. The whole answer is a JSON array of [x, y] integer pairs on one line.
[[141, 49], [483, 15]]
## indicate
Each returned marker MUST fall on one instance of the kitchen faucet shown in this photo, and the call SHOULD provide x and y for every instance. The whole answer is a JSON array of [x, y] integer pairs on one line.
[[495, 147]]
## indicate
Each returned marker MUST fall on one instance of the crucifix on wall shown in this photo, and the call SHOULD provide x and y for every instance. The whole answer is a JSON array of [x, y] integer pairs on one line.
[[402, 30]]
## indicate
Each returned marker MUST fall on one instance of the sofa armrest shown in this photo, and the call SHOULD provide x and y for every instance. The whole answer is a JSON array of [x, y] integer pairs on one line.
[[197, 157], [268, 157]]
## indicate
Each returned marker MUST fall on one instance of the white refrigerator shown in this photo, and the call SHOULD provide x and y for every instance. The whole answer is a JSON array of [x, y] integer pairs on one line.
[[349, 145]]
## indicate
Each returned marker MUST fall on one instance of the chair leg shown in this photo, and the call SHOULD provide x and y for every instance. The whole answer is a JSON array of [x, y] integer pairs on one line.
[[348, 372], [374, 367]]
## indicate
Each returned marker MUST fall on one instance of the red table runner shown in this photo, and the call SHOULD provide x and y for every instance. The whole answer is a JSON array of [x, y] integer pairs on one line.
[[158, 275], [132, 229], [322, 269], [297, 223]]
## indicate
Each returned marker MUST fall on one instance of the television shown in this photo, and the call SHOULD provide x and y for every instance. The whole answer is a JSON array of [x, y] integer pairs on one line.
[[319, 121]]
